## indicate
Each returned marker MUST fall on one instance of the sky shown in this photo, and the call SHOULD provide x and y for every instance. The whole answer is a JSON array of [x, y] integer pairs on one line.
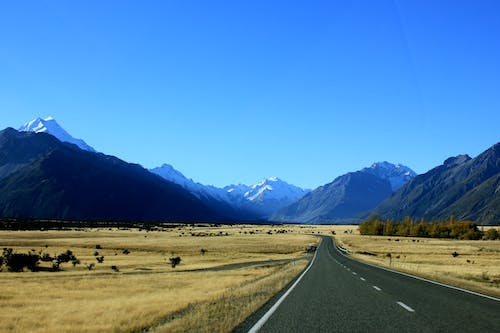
[[235, 91]]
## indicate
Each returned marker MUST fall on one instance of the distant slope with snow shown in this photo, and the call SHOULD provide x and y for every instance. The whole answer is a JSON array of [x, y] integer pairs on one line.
[[259, 200], [349, 196], [50, 126], [397, 174]]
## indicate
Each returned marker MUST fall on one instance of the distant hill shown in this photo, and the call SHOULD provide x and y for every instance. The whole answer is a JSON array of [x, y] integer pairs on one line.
[[468, 188], [42, 177]]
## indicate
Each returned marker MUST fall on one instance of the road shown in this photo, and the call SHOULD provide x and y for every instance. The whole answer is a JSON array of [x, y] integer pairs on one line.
[[339, 294]]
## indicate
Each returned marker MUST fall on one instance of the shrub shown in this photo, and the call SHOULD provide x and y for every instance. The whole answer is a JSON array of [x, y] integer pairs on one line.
[[90, 266], [100, 259], [491, 234], [175, 261], [98, 247], [455, 254], [125, 252], [203, 251], [115, 268], [16, 262]]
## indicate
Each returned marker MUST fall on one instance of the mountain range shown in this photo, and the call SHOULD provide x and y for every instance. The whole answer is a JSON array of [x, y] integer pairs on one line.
[[42, 177], [349, 196], [47, 173], [468, 188], [258, 201]]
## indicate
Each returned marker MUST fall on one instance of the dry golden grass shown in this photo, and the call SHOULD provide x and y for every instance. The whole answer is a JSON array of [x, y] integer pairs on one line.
[[477, 266], [147, 293]]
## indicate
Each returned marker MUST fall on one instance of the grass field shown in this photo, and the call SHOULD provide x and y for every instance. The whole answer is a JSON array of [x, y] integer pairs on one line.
[[475, 266], [147, 294]]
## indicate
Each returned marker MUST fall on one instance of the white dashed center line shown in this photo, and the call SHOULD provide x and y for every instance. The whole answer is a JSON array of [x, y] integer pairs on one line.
[[354, 273], [362, 279], [377, 288], [406, 307]]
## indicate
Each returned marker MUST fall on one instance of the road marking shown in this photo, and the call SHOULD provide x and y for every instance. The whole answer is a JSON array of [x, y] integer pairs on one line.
[[258, 325], [354, 273], [377, 288], [422, 279], [406, 307], [362, 279]]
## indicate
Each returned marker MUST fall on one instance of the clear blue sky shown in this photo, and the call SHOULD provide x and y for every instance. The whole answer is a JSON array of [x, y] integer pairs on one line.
[[233, 91]]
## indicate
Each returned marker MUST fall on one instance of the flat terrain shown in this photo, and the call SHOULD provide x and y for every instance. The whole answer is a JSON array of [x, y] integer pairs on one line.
[[339, 294], [242, 267], [475, 266], [214, 290]]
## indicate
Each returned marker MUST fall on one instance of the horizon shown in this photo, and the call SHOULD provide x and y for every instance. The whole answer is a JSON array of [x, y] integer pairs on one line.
[[232, 93]]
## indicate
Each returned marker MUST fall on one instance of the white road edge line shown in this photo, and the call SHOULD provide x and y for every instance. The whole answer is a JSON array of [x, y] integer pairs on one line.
[[406, 307], [422, 279], [258, 325], [376, 288]]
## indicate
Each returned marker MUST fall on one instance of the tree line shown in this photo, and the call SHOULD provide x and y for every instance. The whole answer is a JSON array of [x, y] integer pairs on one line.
[[409, 227]]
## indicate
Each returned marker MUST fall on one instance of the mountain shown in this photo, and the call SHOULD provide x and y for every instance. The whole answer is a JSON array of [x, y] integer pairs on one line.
[[340, 201], [267, 196], [42, 177], [246, 202], [50, 126], [396, 174], [468, 188], [348, 196]]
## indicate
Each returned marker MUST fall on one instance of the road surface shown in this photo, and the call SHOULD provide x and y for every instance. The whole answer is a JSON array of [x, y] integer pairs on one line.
[[338, 294]]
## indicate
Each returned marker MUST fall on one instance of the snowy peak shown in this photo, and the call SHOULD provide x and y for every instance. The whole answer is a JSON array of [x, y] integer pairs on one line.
[[263, 198], [396, 174], [274, 189], [50, 126]]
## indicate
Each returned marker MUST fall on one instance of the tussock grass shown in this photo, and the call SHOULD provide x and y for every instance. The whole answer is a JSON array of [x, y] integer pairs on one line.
[[477, 266], [147, 294]]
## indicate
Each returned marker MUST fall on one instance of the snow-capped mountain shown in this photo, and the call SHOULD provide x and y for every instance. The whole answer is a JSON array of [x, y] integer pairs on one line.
[[50, 126], [263, 198], [396, 174], [274, 188]]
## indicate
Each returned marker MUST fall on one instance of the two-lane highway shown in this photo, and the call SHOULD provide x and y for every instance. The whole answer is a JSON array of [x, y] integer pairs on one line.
[[338, 294]]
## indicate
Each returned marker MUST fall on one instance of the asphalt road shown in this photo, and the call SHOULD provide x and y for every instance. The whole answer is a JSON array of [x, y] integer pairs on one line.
[[338, 294]]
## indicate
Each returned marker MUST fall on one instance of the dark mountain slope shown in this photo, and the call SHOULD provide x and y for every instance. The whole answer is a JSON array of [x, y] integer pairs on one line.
[[467, 188], [45, 178], [339, 201]]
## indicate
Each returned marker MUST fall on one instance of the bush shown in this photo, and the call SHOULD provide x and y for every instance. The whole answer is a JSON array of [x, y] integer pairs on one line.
[[175, 261], [100, 259], [16, 262], [491, 234]]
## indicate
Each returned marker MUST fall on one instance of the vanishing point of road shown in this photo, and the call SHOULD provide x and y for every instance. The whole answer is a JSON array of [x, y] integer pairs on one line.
[[339, 294]]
